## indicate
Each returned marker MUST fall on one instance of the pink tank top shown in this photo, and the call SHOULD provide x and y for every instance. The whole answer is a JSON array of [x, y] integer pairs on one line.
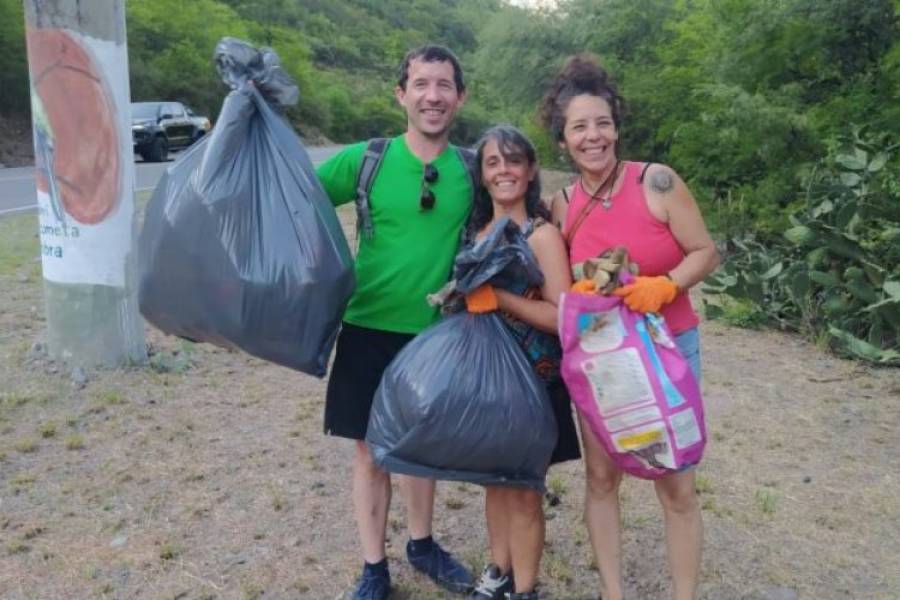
[[628, 222]]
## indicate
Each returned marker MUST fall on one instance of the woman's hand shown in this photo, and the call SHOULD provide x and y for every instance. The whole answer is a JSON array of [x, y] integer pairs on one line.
[[648, 294], [584, 286], [482, 299]]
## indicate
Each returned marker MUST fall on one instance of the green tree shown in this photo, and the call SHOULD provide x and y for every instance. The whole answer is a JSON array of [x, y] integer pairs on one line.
[[14, 95], [171, 44], [518, 54]]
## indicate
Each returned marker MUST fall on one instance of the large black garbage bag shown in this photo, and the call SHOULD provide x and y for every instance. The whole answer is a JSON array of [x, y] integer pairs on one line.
[[241, 246], [461, 401]]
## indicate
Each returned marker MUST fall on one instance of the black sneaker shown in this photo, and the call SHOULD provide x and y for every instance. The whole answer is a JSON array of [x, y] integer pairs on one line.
[[372, 587], [443, 569], [492, 585]]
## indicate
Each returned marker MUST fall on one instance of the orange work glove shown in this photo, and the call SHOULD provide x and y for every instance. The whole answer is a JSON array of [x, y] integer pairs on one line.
[[584, 286], [648, 294], [482, 299]]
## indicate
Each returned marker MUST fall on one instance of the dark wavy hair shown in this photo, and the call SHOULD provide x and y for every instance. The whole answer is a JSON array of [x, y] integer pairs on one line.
[[431, 53], [511, 141], [581, 74]]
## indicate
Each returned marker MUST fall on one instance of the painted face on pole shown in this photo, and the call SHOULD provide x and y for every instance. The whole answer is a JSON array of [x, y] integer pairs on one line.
[[83, 150], [76, 142]]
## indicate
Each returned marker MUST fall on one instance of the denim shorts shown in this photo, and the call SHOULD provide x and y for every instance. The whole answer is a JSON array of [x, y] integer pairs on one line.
[[689, 344]]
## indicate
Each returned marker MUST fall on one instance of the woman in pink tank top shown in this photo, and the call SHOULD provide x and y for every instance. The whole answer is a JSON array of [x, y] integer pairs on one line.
[[647, 209]]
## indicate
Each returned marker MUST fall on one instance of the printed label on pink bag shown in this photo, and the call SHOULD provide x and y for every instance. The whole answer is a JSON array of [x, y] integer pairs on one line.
[[630, 382]]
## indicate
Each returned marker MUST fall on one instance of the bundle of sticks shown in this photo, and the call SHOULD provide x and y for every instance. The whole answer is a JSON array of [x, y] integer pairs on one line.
[[602, 275]]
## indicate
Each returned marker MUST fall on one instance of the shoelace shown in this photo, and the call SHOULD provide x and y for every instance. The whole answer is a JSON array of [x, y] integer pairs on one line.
[[488, 584]]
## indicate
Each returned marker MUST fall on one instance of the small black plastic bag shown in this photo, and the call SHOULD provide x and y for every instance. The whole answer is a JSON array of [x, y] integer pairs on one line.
[[241, 246], [461, 401]]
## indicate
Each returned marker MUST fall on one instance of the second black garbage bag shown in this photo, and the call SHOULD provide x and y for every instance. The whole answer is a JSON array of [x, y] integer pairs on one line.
[[241, 246], [461, 401]]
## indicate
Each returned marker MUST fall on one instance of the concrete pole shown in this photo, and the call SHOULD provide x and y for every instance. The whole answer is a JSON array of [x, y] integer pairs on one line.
[[78, 64]]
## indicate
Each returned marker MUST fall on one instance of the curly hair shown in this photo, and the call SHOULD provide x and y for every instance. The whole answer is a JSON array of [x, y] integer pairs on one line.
[[511, 141], [581, 74]]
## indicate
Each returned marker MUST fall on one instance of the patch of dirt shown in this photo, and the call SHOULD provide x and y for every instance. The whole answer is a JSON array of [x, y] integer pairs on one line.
[[208, 476], [555, 180], [16, 145]]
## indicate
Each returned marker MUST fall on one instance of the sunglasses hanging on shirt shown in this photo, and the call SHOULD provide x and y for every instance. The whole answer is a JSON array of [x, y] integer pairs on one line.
[[427, 199]]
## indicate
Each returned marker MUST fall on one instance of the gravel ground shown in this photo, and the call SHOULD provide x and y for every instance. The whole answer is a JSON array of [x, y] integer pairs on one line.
[[206, 475]]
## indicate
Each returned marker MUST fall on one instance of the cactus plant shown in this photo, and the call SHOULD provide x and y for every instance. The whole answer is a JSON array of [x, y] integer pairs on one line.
[[836, 270]]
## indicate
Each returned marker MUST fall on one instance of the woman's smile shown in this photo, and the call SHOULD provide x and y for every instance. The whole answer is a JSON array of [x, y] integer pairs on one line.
[[590, 134], [505, 173]]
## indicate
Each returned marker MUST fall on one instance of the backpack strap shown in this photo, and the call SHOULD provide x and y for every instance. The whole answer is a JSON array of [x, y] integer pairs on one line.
[[373, 156], [467, 156], [372, 159]]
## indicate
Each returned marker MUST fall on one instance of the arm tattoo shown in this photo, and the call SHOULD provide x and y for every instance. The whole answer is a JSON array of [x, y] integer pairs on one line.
[[661, 181]]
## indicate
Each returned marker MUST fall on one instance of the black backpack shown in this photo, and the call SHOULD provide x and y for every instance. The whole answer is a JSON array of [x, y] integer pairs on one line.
[[372, 158]]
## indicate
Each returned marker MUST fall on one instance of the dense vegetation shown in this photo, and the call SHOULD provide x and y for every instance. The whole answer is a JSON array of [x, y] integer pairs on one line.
[[13, 71], [783, 115], [344, 54]]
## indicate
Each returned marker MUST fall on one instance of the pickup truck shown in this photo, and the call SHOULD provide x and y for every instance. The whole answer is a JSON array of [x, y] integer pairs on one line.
[[158, 127]]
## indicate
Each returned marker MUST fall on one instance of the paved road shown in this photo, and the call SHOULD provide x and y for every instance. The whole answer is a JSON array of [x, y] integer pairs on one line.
[[17, 192]]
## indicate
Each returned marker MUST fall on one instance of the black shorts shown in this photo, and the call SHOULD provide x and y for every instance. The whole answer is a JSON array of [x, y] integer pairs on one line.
[[567, 446], [360, 360]]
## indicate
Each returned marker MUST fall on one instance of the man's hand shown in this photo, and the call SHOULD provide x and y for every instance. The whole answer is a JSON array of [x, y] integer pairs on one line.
[[648, 294], [482, 300]]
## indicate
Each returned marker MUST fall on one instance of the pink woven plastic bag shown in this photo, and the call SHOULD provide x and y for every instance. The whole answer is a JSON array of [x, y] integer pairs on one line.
[[627, 377]]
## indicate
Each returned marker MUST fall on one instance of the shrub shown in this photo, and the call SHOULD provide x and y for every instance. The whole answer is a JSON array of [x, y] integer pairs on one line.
[[835, 271]]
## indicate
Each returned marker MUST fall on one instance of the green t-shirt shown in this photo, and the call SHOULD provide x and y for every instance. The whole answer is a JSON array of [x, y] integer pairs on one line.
[[411, 253]]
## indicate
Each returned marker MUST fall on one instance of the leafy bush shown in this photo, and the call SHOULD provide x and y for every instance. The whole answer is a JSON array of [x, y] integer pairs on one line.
[[739, 313], [835, 272]]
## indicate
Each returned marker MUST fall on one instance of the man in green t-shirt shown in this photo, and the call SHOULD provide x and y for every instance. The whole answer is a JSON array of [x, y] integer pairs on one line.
[[419, 202]]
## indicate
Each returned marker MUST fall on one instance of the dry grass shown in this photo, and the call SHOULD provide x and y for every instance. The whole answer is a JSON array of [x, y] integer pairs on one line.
[[215, 481], [74, 442]]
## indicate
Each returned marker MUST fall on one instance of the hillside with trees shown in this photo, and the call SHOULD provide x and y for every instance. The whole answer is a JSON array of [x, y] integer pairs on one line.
[[784, 117], [344, 54]]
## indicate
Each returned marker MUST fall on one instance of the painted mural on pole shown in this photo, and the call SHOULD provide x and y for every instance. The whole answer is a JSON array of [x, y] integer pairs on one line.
[[80, 147]]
